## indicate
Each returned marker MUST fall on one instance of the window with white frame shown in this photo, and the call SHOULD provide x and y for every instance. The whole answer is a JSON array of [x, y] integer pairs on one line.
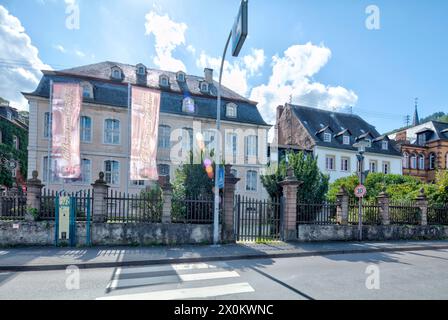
[[116, 73], [329, 162], [141, 70], [327, 137], [47, 125], [251, 146], [251, 180], [432, 161], [413, 161], [188, 105], [386, 167], [405, 160], [187, 140], [164, 137], [369, 143], [181, 76], [86, 171], [345, 164], [385, 145], [138, 183], [421, 162], [231, 111], [15, 142], [204, 87], [373, 166], [231, 145], [164, 81], [112, 131], [209, 140], [86, 129], [49, 172], [112, 172], [87, 90], [346, 140]]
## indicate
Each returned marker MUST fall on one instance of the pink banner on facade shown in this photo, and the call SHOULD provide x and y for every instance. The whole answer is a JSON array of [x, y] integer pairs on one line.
[[66, 107], [144, 133]]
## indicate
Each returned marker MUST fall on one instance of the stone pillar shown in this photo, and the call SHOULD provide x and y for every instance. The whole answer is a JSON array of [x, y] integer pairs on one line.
[[228, 230], [167, 196], [422, 203], [100, 190], [34, 190], [342, 200], [383, 202], [289, 222]]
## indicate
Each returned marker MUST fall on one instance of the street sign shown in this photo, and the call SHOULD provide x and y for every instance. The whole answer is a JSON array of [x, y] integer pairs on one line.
[[221, 177], [360, 191], [240, 29]]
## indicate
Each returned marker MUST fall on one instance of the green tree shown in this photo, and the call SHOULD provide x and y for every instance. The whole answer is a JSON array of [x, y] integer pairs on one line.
[[315, 183]]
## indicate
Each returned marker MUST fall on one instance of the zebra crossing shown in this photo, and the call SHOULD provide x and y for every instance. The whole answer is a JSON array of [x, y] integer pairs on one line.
[[175, 282]]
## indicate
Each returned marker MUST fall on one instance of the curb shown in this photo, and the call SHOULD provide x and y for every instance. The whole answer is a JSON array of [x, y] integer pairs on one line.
[[102, 265]]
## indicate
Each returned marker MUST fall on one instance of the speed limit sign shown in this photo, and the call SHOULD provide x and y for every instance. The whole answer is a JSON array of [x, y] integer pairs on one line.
[[360, 191]]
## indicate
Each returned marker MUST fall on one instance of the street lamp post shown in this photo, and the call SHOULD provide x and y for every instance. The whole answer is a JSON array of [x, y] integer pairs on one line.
[[239, 34]]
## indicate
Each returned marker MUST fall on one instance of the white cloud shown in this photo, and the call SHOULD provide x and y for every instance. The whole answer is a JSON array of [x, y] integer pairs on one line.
[[20, 63], [168, 35], [236, 74], [292, 78], [80, 54], [59, 48]]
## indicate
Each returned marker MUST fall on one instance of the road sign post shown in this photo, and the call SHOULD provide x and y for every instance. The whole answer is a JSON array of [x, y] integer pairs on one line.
[[360, 192]]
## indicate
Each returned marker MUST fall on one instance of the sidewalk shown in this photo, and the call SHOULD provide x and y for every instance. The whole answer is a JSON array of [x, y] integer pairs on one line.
[[34, 259]]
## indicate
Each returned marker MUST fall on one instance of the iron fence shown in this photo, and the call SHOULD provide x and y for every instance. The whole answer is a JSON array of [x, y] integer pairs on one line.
[[438, 214], [404, 213], [370, 213], [133, 208], [194, 210], [83, 199], [316, 213], [12, 207], [258, 220]]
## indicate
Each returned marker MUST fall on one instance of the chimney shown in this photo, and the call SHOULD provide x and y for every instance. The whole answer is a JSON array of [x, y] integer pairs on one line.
[[208, 75]]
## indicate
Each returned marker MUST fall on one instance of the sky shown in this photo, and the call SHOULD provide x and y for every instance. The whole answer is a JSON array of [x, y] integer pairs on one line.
[[372, 57]]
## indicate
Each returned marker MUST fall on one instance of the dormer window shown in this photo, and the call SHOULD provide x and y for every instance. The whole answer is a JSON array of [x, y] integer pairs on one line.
[[87, 90], [422, 139], [327, 137], [231, 111], [369, 143], [116, 73], [385, 145], [346, 140], [204, 87], [180, 76], [164, 81], [141, 70], [188, 105]]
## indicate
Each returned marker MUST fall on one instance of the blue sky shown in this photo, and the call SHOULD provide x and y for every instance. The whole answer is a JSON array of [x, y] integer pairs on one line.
[[318, 52]]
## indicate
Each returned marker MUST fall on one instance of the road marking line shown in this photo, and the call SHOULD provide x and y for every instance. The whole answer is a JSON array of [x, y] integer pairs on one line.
[[188, 293], [174, 267], [122, 283]]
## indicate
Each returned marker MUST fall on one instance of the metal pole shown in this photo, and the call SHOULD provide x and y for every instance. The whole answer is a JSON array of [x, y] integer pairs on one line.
[[50, 129], [361, 170], [129, 140], [218, 147]]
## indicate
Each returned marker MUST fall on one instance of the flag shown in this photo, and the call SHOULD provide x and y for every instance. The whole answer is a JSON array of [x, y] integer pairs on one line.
[[145, 106], [65, 151]]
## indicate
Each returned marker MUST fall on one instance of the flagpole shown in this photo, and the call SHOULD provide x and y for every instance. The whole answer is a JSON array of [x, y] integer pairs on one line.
[[50, 130], [129, 139]]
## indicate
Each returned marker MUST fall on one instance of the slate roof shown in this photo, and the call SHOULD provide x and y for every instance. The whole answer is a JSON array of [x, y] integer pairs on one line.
[[314, 120], [440, 133], [115, 92]]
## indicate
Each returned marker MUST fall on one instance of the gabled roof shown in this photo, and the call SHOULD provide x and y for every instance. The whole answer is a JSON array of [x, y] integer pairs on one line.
[[324, 129], [110, 92], [312, 119], [381, 138], [344, 132]]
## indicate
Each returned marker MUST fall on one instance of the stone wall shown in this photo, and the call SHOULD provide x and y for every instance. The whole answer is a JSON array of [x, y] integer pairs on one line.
[[42, 233], [313, 233]]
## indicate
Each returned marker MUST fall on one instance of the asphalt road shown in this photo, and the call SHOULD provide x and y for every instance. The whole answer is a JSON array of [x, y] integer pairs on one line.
[[401, 275]]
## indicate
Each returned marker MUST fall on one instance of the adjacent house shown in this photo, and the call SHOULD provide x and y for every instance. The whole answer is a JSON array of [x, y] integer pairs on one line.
[[187, 115], [424, 148], [329, 136], [13, 147]]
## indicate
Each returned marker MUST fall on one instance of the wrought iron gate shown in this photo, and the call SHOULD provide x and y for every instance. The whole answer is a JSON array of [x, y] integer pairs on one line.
[[258, 220]]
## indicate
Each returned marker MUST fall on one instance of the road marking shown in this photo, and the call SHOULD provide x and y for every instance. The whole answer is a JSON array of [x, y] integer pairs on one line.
[[123, 283], [188, 293], [173, 267]]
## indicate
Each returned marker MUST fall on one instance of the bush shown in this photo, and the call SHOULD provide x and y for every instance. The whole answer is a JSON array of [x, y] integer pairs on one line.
[[152, 208]]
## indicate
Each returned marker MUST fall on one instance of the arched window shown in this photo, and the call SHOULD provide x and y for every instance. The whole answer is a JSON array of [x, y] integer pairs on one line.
[[204, 87], [116, 73], [432, 161], [180, 76], [141, 69], [421, 162], [188, 105], [164, 81], [87, 90], [405, 160], [413, 161]]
